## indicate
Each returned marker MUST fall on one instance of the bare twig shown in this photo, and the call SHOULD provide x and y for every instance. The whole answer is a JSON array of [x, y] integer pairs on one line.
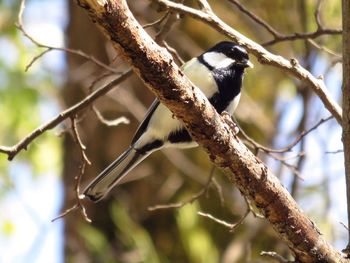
[[323, 48], [251, 209], [190, 200], [48, 48], [12, 151], [157, 22], [107, 122], [256, 18], [170, 19], [275, 256], [79, 142], [345, 226], [35, 58], [290, 146], [303, 36], [294, 169], [84, 160], [317, 14], [219, 190], [204, 5], [279, 37], [174, 53], [335, 152], [231, 226]]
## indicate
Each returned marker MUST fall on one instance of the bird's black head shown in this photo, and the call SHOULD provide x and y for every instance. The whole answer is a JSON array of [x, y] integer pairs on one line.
[[226, 62], [227, 54]]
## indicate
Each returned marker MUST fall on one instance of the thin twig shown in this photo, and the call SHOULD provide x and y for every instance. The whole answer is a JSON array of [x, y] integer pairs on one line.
[[256, 18], [109, 123], [78, 140], [252, 210], [325, 49], [279, 37], [84, 160], [35, 58], [290, 146], [345, 226], [49, 48], [219, 190], [335, 152], [193, 198], [231, 226], [204, 5], [257, 146], [317, 14], [157, 22], [12, 151], [275, 256], [174, 53], [303, 36]]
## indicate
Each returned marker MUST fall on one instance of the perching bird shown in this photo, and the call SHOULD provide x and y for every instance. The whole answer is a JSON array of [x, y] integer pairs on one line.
[[218, 72]]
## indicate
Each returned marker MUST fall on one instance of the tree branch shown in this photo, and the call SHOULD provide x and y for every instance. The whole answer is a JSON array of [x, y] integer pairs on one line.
[[12, 151], [156, 68], [48, 48], [265, 57], [83, 162], [279, 37]]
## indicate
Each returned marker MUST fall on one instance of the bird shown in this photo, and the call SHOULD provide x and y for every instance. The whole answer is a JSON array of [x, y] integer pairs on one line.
[[218, 73]]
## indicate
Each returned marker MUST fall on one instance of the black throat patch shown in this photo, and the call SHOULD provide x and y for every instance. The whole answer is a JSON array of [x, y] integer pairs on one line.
[[229, 81]]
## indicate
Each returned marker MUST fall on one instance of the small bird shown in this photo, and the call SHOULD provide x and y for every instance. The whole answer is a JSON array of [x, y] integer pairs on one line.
[[218, 72]]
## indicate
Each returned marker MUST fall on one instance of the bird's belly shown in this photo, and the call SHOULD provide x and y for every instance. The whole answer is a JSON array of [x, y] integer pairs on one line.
[[233, 104], [163, 122]]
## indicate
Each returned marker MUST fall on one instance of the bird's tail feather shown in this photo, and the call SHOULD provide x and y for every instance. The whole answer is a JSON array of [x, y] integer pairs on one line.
[[110, 176]]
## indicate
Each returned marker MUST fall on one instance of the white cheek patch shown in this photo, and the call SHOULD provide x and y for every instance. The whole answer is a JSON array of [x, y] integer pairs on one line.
[[217, 60]]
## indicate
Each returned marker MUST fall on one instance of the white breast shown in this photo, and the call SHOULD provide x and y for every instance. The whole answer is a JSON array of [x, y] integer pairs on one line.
[[233, 105]]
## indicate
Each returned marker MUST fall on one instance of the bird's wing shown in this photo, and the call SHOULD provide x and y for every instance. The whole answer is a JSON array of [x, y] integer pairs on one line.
[[143, 126], [113, 174], [159, 121]]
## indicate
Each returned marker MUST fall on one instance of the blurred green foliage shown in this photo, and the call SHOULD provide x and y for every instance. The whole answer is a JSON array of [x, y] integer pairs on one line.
[[23, 98]]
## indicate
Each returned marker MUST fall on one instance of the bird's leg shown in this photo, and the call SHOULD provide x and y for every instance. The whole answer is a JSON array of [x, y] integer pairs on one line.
[[228, 119]]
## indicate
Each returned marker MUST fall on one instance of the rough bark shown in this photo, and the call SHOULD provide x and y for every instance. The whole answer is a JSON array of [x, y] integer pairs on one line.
[[346, 103], [156, 68]]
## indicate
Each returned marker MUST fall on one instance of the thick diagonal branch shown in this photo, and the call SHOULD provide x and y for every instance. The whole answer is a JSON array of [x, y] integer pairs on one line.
[[157, 69]]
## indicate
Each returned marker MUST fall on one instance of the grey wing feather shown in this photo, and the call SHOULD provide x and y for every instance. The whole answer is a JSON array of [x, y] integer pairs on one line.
[[110, 177]]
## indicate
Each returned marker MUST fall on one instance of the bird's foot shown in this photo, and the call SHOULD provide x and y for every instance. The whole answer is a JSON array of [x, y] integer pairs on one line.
[[228, 119]]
